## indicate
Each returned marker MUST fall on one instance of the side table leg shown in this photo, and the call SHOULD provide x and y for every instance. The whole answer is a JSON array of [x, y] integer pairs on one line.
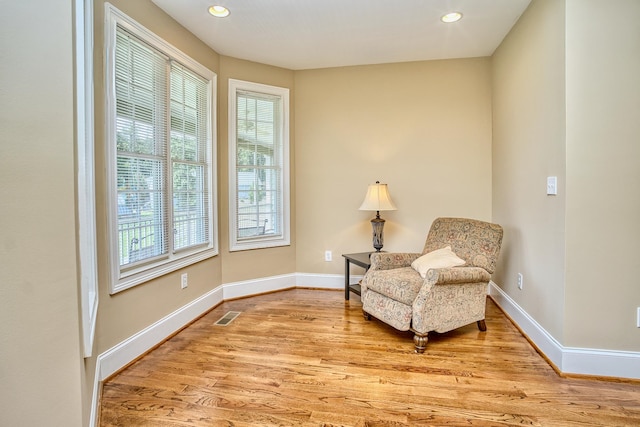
[[346, 279]]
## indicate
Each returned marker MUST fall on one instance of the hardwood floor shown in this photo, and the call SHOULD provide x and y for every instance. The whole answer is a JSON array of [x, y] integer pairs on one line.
[[308, 358]]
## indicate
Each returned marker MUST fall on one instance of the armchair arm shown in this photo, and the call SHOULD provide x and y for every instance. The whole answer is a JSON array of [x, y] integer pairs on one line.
[[450, 276], [388, 261]]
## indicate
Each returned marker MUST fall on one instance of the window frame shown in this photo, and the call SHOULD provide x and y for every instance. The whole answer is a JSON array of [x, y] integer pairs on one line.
[[124, 278], [262, 241]]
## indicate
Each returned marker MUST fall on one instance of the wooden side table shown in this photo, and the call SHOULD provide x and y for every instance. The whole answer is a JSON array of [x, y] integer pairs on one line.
[[360, 259]]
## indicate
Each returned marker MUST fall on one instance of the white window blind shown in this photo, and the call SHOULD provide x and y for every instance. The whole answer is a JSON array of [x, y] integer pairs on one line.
[[259, 165], [161, 173], [188, 155], [141, 143]]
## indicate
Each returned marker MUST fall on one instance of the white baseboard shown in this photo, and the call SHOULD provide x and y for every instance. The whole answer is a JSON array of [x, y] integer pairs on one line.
[[95, 396], [321, 281], [546, 343], [120, 355], [258, 286], [569, 360], [128, 350]]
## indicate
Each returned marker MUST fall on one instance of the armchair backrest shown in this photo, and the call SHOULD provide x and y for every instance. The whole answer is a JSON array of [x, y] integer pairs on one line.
[[477, 242]]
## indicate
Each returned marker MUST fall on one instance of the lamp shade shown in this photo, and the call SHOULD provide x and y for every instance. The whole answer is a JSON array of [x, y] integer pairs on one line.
[[377, 199]]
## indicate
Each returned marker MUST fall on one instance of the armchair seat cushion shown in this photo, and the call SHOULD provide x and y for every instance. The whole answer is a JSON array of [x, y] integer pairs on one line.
[[400, 284]]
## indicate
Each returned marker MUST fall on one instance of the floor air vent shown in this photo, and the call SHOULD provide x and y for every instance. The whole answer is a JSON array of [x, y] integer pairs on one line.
[[227, 318]]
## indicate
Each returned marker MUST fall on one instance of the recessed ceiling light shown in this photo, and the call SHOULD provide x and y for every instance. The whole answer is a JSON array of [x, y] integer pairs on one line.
[[219, 11], [451, 17]]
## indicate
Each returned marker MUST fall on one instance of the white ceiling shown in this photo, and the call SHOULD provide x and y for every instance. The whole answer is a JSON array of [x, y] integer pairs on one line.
[[306, 34]]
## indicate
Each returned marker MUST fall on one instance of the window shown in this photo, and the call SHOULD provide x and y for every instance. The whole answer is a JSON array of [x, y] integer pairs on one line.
[[258, 165], [160, 155]]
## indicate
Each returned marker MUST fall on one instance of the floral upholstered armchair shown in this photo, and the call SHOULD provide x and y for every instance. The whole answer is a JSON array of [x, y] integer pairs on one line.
[[440, 289]]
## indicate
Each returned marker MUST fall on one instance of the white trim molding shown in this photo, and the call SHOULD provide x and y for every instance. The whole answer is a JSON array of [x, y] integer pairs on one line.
[[322, 281], [85, 173], [568, 360], [120, 355], [259, 286]]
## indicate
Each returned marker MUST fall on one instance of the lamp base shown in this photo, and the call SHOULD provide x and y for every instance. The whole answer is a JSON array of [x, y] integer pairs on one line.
[[377, 224]]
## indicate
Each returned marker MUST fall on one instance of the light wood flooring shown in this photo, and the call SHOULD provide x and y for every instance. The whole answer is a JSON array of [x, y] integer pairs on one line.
[[308, 358]]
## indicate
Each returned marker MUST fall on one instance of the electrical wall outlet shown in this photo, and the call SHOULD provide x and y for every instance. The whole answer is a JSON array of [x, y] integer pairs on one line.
[[328, 256], [520, 281], [638, 318], [184, 280]]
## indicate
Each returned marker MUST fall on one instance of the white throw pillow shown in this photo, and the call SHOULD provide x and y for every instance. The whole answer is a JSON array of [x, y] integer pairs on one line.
[[440, 258]]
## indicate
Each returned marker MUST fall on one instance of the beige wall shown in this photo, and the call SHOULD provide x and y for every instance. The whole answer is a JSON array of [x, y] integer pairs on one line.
[[40, 352], [262, 262], [424, 128], [528, 146], [603, 174], [565, 103]]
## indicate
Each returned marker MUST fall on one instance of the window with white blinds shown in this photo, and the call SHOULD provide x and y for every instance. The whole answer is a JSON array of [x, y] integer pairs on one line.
[[259, 165], [160, 155]]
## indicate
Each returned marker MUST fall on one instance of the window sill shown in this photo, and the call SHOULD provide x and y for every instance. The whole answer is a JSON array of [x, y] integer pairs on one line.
[[258, 244], [144, 274]]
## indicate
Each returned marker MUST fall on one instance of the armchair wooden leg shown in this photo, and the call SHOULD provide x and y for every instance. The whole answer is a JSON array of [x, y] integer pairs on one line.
[[420, 342], [481, 325], [366, 315]]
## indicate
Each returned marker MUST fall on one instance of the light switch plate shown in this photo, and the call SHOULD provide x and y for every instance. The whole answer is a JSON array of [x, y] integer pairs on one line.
[[552, 185]]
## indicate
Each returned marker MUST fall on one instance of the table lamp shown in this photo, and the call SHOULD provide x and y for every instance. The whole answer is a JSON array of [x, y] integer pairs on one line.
[[377, 199]]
